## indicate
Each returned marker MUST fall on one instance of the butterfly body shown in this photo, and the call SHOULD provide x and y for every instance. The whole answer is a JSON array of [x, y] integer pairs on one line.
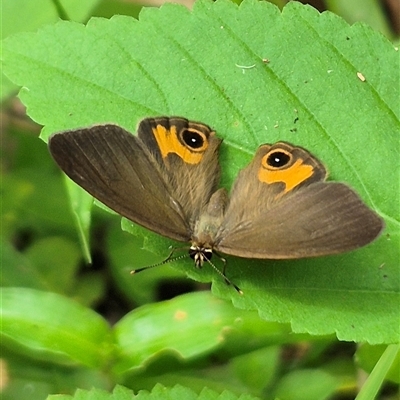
[[207, 227], [166, 179]]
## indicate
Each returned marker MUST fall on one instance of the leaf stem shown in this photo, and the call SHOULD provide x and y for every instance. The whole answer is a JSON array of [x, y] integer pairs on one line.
[[374, 381], [60, 10]]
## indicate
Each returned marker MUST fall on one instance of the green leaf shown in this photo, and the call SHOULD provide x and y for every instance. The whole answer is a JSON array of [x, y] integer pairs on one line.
[[189, 326], [249, 366], [119, 393], [25, 15], [369, 11], [17, 270], [307, 385], [35, 267], [44, 254], [159, 392], [23, 377], [53, 328], [39, 267], [255, 75], [108, 8], [33, 199]]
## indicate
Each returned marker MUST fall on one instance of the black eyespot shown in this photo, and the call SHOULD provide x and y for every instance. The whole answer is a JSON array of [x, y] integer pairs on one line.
[[193, 139], [278, 159]]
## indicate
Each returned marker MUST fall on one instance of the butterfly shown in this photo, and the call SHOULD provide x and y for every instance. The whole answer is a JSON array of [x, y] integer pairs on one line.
[[166, 179]]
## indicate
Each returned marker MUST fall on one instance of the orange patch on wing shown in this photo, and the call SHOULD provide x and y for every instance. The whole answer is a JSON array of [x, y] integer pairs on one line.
[[168, 142], [291, 177]]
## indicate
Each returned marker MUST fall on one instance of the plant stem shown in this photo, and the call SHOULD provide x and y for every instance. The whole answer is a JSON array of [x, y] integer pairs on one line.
[[374, 381]]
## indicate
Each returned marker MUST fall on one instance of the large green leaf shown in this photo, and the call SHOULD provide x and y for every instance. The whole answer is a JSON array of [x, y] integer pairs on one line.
[[159, 392], [189, 327], [255, 75], [53, 328]]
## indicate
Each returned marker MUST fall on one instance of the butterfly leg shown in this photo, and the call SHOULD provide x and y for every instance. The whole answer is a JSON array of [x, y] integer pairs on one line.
[[223, 274]]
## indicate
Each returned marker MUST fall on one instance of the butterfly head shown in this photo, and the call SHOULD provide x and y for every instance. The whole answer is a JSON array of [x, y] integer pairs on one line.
[[200, 254]]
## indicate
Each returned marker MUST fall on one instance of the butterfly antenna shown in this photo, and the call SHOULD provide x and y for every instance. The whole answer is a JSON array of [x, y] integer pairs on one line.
[[222, 274], [171, 259], [165, 261]]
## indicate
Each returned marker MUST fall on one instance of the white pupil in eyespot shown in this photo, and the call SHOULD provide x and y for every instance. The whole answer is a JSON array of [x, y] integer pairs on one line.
[[193, 139], [278, 159]]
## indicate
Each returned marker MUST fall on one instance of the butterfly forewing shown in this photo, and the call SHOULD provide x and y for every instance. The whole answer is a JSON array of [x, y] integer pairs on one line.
[[187, 153], [114, 167]]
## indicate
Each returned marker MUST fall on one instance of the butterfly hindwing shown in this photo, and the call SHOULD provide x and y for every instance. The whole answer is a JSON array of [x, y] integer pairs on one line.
[[293, 212]]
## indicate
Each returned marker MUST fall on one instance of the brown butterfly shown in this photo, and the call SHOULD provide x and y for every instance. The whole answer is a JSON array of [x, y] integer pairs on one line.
[[166, 179]]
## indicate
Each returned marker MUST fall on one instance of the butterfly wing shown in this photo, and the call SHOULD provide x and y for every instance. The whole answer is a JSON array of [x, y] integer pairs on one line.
[[293, 213], [187, 153], [129, 175]]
